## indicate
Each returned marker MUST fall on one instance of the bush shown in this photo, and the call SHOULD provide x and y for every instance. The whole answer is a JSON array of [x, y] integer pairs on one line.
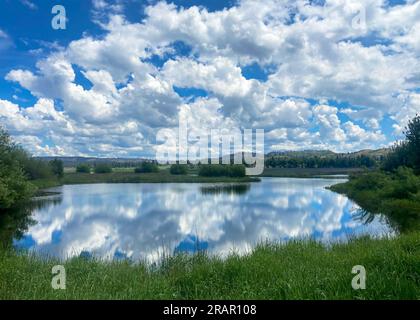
[[220, 170], [83, 168], [178, 169], [57, 167], [237, 171], [404, 184], [103, 168], [146, 167], [370, 181], [395, 195]]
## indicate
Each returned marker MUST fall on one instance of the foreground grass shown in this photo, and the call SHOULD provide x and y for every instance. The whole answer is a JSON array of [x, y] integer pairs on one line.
[[297, 270]]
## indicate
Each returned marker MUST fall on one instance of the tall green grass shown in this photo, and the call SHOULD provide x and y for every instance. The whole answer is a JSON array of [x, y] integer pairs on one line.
[[296, 270]]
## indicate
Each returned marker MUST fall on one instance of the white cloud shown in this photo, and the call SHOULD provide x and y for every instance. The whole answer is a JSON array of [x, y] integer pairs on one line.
[[410, 103], [5, 41], [29, 4], [318, 56]]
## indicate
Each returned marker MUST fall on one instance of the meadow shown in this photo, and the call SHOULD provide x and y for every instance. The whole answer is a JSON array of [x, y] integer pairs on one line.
[[123, 175], [299, 269]]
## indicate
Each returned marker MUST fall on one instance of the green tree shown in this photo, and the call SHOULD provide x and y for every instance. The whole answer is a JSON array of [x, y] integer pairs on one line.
[[220, 170], [178, 169], [14, 186], [398, 156], [33, 168], [103, 168], [412, 134], [146, 167], [83, 168], [57, 167], [407, 152], [237, 171]]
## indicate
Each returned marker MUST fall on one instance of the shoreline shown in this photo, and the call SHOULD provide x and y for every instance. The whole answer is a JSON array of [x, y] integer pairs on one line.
[[164, 176], [129, 177]]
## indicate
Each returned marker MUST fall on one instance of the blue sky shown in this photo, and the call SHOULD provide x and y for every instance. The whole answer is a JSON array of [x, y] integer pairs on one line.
[[313, 74]]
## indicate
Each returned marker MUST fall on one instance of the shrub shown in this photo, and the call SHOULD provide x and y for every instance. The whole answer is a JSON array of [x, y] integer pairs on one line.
[[103, 168], [370, 181], [395, 195], [404, 184], [178, 169], [219, 170], [237, 171], [146, 167], [57, 167], [83, 168]]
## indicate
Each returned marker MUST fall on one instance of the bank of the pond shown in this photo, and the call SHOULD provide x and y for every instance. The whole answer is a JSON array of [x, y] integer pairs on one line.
[[130, 177], [164, 176], [395, 195], [296, 270]]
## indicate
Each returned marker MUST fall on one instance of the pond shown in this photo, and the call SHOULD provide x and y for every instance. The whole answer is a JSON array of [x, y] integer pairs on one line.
[[145, 221]]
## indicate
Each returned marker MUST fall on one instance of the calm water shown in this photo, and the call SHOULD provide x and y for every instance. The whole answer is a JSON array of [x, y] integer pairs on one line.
[[143, 221]]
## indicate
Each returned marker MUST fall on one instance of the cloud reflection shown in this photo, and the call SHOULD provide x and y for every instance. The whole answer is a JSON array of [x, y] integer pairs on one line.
[[143, 221]]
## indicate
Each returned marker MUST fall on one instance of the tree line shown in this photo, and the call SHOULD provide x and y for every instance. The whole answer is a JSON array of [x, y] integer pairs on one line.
[[18, 169], [320, 162], [407, 152]]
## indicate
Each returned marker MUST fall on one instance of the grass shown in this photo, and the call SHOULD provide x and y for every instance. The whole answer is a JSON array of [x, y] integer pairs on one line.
[[125, 176], [162, 176], [42, 184], [308, 172], [297, 270]]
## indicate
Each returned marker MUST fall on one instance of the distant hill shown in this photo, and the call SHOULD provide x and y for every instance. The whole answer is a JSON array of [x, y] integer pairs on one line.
[[302, 154], [377, 154], [116, 162], [372, 153]]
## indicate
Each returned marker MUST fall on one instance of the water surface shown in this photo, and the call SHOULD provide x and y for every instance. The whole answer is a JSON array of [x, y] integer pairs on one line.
[[143, 221]]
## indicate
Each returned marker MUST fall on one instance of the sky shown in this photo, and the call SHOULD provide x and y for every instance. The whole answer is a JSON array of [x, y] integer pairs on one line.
[[314, 74]]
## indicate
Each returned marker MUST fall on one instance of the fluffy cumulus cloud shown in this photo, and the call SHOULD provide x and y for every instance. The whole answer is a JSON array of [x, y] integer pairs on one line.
[[330, 74]]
